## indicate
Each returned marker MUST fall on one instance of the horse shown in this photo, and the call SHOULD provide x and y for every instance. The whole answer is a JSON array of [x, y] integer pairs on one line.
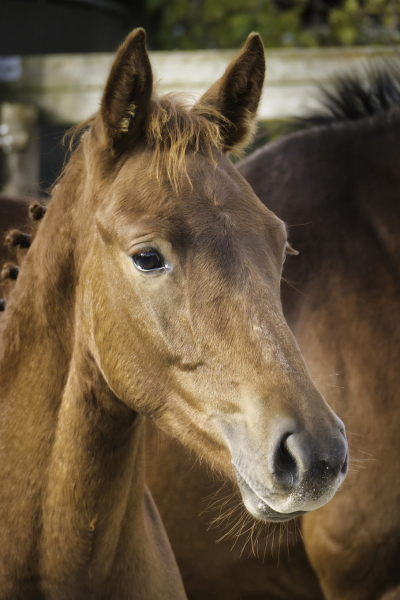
[[336, 182], [150, 290]]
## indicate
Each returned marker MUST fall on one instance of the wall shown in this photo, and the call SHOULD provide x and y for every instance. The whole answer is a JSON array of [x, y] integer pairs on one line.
[[67, 88]]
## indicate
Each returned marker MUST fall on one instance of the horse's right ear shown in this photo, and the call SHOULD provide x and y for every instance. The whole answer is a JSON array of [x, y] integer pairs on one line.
[[128, 90]]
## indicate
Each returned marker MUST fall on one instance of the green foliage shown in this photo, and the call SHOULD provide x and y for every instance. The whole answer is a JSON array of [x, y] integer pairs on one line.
[[192, 24]]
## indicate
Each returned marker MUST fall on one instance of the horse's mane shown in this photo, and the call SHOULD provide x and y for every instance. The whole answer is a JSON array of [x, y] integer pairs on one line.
[[357, 96]]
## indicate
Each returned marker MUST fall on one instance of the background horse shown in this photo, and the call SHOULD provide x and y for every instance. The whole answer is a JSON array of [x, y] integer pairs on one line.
[[337, 185], [150, 290]]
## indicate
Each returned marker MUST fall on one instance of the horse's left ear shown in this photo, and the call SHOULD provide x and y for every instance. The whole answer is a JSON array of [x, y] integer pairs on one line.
[[128, 89], [237, 94]]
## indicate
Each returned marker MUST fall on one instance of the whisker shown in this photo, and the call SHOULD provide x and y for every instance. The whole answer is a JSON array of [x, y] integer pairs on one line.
[[295, 288]]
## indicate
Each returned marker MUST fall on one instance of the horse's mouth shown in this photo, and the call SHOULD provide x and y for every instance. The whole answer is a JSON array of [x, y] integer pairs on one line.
[[259, 508]]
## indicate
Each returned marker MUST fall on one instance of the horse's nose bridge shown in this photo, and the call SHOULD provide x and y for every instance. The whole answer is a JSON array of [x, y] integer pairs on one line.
[[251, 329], [275, 344]]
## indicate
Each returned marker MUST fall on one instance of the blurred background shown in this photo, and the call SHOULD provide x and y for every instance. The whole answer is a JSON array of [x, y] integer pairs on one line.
[[55, 55]]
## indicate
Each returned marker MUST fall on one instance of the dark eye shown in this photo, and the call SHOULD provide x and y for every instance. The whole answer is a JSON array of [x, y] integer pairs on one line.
[[148, 260]]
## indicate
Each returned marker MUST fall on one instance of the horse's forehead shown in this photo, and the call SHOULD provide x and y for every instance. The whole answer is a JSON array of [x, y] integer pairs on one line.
[[138, 187], [222, 194], [217, 198], [219, 187]]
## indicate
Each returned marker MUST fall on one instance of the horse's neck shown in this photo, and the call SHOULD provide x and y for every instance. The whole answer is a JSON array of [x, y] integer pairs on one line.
[[72, 471], [95, 460]]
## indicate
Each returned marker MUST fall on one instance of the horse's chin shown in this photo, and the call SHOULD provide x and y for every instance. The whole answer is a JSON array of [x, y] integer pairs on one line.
[[259, 509]]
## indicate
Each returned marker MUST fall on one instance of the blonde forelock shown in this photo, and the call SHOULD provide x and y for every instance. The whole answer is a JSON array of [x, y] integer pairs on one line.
[[173, 127]]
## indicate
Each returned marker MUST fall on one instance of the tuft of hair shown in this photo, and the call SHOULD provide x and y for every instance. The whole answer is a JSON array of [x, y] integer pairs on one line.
[[174, 126], [126, 120], [74, 134], [355, 96], [15, 247], [71, 141], [16, 238], [9, 271], [37, 211]]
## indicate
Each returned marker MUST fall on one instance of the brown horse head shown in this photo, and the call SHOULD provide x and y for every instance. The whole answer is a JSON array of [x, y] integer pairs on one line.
[[174, 267], [181, 306]]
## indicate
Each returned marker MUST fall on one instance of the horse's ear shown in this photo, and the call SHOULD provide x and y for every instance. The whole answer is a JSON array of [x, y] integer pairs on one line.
[[237, 94], [128, 89]]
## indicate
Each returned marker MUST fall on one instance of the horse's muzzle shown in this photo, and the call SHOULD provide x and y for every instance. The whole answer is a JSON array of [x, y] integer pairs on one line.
[[303, 475]]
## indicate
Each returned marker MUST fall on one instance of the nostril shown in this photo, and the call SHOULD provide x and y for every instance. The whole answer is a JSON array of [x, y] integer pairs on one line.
[[285, 470], [343, 470], [345, 464]]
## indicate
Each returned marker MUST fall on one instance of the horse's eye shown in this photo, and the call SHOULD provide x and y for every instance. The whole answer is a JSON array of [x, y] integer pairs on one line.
[[148, 260]]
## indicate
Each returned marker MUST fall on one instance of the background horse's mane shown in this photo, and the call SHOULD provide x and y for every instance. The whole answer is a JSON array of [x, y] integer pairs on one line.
[[355, 97]]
